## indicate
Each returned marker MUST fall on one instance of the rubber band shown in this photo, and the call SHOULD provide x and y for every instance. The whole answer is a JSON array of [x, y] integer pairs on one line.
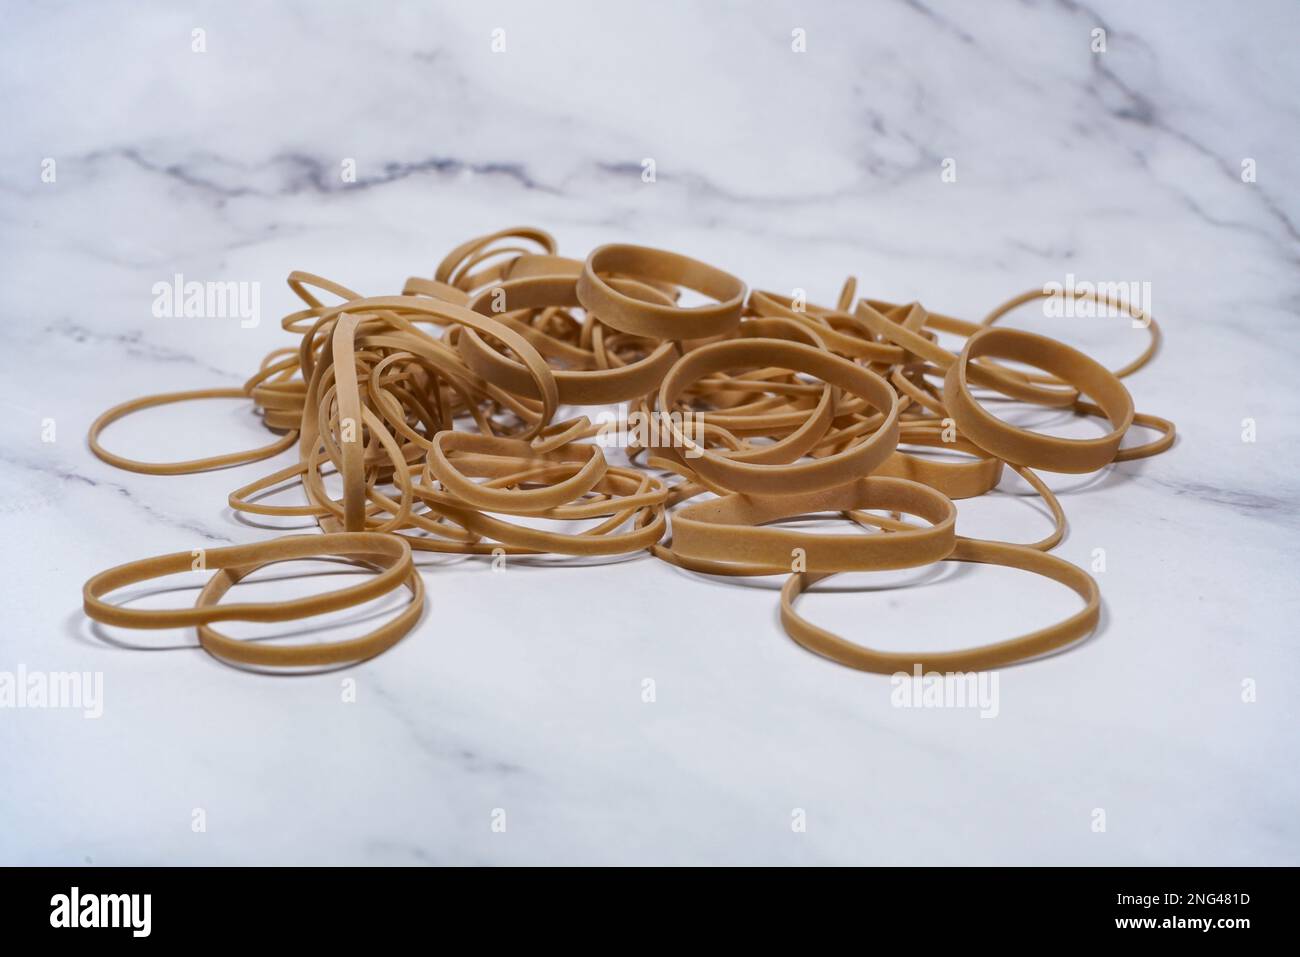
[[350, 651], [605, 386], [589, 462], [654, 320], [775, 478], [439, 414], [1022, 446], [729, 529], [1138, 315], [192, 465], [1006, 381], [285, 548], [1077, 626]]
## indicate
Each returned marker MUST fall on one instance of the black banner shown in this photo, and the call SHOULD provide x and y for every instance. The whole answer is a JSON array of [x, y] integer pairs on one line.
[[337, 905]]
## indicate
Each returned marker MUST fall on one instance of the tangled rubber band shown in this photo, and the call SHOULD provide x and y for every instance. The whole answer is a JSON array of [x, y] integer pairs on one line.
[[434, 414]]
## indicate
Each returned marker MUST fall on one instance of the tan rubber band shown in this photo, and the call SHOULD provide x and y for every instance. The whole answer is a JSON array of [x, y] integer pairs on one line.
[[352, 650], [829, 324], [1022, 446], [728, 529], [653, 320], [782, 478], [1153, 346], [192, 465], [576, 387], [588, 459], [1004, 380], [438, 411], [599, 540], [453, 265], [1077, 626], [957, 480], [286, 548]]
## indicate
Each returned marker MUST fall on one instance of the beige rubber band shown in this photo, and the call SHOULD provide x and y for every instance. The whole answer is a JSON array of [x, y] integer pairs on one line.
[[352, 650], [588, 461], [1077, 626], [781, 478], [653, 320], [1134, 312], [439, 411], [192, 465], [728, 529], [1004, 380], [1022, 446], [576, 387], [286, 548]]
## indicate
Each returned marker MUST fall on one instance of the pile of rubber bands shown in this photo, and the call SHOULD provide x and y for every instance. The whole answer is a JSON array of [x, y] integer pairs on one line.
[[437, 414]]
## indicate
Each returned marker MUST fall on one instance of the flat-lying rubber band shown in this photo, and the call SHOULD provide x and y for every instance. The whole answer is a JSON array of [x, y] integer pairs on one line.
[[179, 468], [1022, 446], [262, 654], [286, 548], [1035, 643]]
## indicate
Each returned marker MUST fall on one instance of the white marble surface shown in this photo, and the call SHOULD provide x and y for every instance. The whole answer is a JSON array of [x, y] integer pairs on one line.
[[522, 690]]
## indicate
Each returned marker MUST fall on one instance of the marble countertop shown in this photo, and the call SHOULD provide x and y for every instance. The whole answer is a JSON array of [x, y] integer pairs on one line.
[[513, 726]]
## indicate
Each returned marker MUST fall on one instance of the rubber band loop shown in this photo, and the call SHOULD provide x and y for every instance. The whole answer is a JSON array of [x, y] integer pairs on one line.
[[192, 465]]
